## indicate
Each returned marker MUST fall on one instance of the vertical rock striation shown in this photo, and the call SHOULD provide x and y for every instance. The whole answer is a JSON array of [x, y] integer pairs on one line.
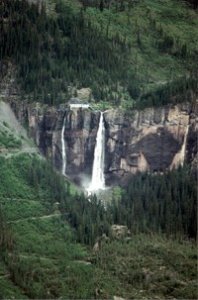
[[154, 139]]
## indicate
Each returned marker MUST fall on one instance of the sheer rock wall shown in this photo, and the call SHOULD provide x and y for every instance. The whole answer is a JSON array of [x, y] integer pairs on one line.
[[154, 139]]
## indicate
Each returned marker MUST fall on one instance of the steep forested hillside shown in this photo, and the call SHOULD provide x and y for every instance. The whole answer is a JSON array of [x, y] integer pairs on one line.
[[133, 53], [48, 229], [42, 222], [55, 241], [165, 203]]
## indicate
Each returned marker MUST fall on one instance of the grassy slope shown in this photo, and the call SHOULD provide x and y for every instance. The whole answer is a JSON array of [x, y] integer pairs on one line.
[[149, 267], [51, 264], [174, 18], [43, 242], [146, 27], [13, 137], [124, 56], [46, 261]]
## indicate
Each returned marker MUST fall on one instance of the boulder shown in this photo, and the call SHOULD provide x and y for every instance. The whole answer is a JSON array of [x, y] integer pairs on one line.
[[119, 231]]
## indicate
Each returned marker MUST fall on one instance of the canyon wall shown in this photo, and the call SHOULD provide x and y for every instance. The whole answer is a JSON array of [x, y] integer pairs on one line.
[[154, 139]]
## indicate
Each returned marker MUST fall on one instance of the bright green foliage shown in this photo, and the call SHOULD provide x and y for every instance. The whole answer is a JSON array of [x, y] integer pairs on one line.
[[147, 267], [9, 290], [8, 140], [30, 187], [39, 254], [133, 54], [42, 223]]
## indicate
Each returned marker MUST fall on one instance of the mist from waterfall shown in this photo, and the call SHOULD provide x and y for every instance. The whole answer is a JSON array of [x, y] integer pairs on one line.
[[63, 148], [98, 180]]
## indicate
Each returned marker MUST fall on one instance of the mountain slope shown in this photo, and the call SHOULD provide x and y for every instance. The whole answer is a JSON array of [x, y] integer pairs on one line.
[[47, 232], [41, 259], [139, 54], [130, 56], [13, 137], [39, 253]]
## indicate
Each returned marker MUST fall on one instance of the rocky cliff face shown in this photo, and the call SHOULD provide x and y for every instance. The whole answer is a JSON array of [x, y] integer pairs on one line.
[[45, 126], [153, 140]]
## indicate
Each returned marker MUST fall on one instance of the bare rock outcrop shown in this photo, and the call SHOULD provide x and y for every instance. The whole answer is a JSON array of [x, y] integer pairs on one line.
[[119, 231], [154, 139]]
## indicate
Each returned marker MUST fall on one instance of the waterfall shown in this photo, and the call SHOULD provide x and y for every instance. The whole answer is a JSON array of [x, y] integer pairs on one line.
[[63, 148], [183, 149], [98, 180], [179, 158]]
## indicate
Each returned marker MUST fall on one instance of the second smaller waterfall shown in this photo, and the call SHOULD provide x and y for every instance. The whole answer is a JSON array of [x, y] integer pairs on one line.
[[179, 158], [63, 148], [98, 180]]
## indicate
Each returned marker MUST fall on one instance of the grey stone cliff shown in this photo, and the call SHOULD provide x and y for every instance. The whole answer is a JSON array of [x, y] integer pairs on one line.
[[154, 139]]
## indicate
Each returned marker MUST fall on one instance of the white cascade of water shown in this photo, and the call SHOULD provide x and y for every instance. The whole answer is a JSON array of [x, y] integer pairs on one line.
[[98, 180], [183, 149], [63, 148], [179, 158]]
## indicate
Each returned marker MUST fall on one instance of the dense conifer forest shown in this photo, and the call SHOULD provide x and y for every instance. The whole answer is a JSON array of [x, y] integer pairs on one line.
[[56, 241], [159, 203], [119, 49], [45, 214]]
